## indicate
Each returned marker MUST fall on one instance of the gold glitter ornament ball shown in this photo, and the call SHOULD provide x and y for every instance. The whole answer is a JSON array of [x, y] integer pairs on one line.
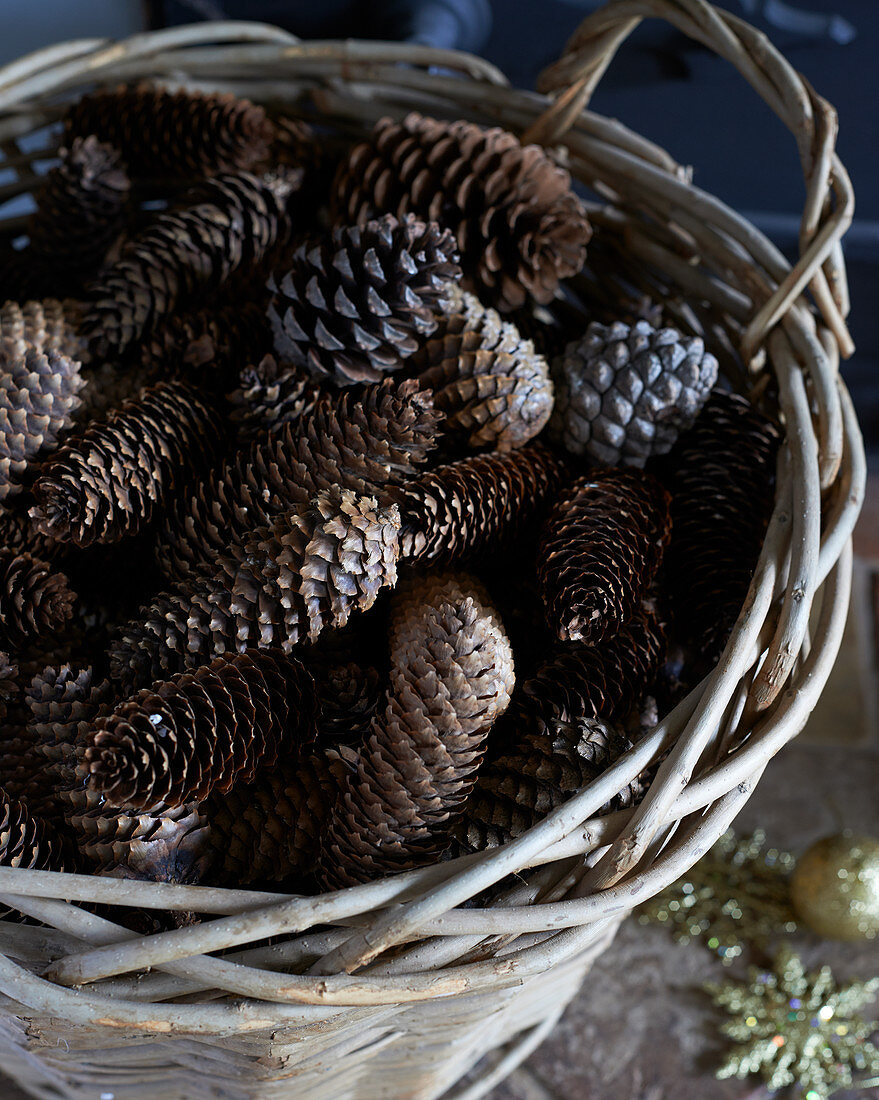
[[835, 887]]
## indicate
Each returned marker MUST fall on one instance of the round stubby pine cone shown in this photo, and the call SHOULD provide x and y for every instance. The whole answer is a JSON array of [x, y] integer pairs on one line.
[[519, 226], [599, 552], [624, 393], [202, 731], [35, 602], [351, 309]]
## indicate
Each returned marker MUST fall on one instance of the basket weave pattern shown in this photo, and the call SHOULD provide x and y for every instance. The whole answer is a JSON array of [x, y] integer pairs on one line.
[[396, 988]]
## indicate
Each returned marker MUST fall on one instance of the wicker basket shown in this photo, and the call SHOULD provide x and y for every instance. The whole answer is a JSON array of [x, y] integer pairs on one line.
[[397, 988]]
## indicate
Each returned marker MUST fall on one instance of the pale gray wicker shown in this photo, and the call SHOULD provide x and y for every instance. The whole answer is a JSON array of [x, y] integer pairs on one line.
[[396, 989]]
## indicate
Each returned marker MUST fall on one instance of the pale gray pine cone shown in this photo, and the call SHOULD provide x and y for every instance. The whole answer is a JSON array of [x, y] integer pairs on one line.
[[625, 393]]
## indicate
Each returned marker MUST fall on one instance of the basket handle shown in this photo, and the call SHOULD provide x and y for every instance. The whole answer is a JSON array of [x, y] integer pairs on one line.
[[829, 198]]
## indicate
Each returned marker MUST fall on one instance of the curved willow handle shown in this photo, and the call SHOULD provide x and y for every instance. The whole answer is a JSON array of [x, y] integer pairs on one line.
[[829, 198]]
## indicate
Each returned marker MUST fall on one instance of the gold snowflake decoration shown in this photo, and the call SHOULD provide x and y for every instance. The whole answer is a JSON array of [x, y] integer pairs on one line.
[[737, 895], [795, 1028]]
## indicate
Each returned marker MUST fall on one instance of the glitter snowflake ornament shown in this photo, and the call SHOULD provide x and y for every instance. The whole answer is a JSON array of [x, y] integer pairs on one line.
[[736, 896], [797, 1028]]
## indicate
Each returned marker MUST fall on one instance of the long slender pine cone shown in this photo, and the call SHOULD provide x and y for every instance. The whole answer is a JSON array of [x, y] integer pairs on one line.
[[38, 398], [81, 210], [599, 551], [723, 489], [451, 678], [28, 841], [118, 476], [201, 731], [491, 385], [61, 700], [478, 504], [537, 775], [270, 395], [235, 222], [271, 829], [623, 393], [212, 344], [520, 227], [306, 572], [353, 308], [579, 681], [35, 601], [173, 134], [45, 326], [350, 695], [363, 443]]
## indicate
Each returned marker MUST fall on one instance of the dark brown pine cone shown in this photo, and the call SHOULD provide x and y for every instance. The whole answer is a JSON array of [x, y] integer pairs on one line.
[[362, 443], [61, 701], [492, 387], [19, 536], [270, 830], [351, 309], [38, 397], [451, 678], [44, 326], [271, 396], [520, 227], [235, 221], [35, 602], [306, 572], [722, 483], [349, 700], [80, 213], [537, 775], [8, 683], [202, 731], [473, 506], [116, 478], [28, 841], [212, 344], [173, 134], [587, 681], [599, 552]]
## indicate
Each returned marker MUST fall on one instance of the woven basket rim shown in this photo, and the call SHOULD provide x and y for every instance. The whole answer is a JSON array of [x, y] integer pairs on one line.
[[718, 740]]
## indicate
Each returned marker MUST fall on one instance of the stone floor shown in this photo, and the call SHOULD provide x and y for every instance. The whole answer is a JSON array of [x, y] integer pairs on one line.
[[640, 1028]]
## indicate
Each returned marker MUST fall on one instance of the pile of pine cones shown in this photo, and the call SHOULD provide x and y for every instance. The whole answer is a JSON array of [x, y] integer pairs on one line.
[[315, 567]]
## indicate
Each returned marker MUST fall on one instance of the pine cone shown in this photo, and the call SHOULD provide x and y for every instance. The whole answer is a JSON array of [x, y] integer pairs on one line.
[[363, 444], [599, 552], [476, 505], [624, 393], [176, 134], [8, 683], [351, 309], [34, 601], [520, 227], [38, 397], [306, 572], [176, 742], [212, 343], [27, 841], [271, 396], [493, 388], [237, 220], [537, 775], [271, 829], [723, 491], [116, 478], [19, 536], [44, 326], [80, 213], [61, 702], [349, 700], [587, 681], [451, 678]]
